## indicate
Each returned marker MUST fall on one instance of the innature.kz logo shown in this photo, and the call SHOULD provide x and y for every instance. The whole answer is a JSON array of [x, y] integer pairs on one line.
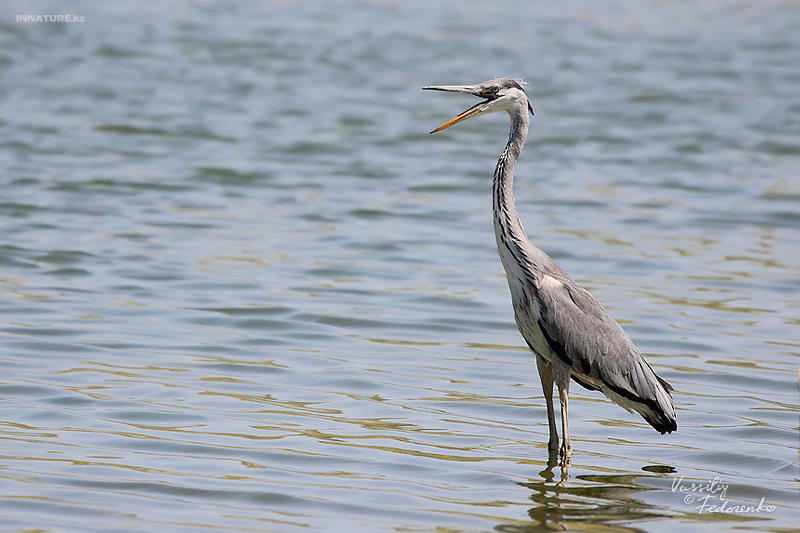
[[50, 18]]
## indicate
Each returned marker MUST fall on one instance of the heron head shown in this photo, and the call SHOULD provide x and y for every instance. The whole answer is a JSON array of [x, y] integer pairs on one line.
[[499, 94]]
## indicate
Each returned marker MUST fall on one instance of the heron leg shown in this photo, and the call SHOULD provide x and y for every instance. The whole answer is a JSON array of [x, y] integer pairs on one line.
[[546, 375], [561, 374], [566, 446]]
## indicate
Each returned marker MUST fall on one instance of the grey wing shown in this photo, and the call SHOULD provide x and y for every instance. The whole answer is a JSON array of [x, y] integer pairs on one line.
[[584, 335]]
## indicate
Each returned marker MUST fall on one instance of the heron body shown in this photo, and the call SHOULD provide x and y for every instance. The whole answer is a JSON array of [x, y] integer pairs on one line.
[[571, 333]]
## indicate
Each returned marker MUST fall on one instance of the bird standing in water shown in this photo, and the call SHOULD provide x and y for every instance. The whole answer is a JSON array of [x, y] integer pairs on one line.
[[572, 335]]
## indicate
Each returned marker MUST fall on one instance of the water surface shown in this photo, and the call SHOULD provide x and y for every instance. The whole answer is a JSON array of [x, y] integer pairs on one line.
[[242, 288]]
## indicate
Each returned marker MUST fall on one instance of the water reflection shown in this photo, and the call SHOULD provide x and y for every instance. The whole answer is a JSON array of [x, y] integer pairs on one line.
[[607, 503]]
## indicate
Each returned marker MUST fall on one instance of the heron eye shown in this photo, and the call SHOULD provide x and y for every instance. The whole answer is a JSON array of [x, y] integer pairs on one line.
[[495, 89]]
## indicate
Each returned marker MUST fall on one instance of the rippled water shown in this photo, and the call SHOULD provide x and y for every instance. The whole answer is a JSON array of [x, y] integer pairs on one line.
[[242, 288]]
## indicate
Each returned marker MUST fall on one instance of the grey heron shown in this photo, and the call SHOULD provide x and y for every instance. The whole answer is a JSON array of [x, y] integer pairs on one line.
[[571, 333]]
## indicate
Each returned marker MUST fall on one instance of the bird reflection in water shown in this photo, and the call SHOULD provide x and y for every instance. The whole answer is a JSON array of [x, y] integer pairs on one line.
[[602, 502]]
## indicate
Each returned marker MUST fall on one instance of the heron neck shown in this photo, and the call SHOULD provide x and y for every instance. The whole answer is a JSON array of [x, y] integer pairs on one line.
[[508, 228]]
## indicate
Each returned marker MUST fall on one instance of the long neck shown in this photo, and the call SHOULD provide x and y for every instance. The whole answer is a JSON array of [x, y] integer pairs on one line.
[[511, 238]]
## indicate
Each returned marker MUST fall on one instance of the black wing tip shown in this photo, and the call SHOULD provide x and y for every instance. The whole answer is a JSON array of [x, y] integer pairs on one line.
[[663, 425]]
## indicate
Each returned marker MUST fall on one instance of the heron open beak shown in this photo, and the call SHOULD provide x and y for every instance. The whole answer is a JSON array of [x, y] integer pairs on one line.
[[469, 113]]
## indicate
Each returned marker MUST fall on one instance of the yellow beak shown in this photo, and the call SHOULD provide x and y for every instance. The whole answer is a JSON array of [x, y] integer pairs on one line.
[[469, 113], [474, 90]]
